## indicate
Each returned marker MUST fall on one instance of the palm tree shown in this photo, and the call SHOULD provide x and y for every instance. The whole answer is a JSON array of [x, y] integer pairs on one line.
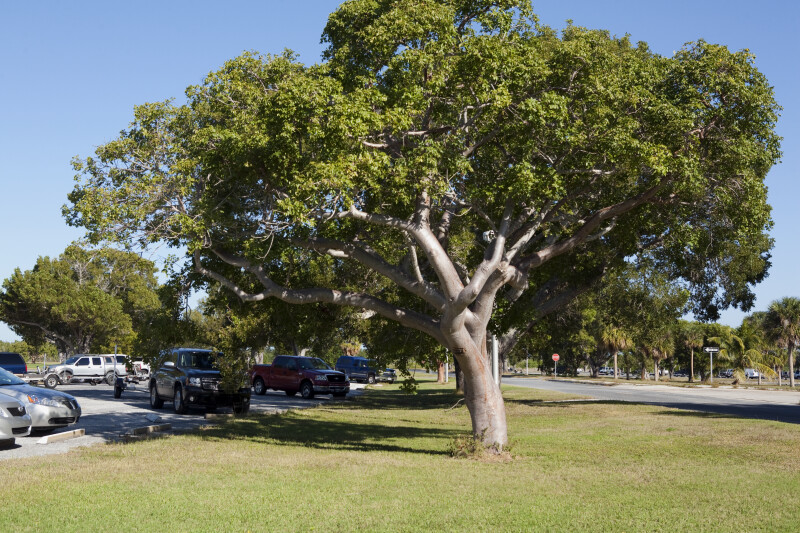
[[734, 350], [692, 338], [783, 326], [615, 339]]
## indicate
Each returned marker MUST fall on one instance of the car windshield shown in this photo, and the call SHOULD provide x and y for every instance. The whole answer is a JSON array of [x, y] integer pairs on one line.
[[199, 360], [313, 364], [7, 378], [71, 360]]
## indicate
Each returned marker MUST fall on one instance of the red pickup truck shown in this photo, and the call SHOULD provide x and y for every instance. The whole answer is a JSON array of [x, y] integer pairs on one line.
[[293, 374]]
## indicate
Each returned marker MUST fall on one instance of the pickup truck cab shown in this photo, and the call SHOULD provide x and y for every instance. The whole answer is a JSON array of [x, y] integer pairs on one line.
[[189, 376], [293, 374]]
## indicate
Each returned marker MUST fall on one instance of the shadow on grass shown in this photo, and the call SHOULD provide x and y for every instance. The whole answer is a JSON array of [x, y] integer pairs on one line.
[[695, 414], [562, 403], [293, 429]]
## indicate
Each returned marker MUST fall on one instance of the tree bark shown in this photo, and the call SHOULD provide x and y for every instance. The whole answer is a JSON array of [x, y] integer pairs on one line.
[[791, 364]]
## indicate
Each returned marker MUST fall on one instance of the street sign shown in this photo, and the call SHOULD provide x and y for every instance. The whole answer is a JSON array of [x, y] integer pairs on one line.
[[556, 357], [711, 349]]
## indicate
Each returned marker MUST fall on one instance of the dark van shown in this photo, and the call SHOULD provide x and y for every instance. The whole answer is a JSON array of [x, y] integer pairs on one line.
[[363, 369], [13, 362]]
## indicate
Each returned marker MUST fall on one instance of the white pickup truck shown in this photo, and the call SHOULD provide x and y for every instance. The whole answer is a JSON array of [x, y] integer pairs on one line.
[[99, 367]]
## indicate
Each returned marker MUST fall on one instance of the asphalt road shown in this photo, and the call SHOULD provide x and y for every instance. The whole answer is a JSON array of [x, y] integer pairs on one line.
[[105, 418], [783, 406]]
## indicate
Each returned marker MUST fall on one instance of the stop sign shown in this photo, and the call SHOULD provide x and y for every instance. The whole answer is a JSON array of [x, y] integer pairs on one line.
[[555, 357]]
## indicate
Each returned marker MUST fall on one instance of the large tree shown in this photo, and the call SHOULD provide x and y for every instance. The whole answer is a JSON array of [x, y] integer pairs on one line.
[[82, 300], [450, 166]]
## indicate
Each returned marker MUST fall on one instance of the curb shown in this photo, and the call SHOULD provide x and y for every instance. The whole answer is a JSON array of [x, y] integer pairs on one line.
[[55, 437]]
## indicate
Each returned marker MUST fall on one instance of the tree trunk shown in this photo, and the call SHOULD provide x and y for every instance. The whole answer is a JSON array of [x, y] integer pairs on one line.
[[459, 376], [615, 365], [440, 373], [691, 364], [791, 365], [485, 403], [780, 378]]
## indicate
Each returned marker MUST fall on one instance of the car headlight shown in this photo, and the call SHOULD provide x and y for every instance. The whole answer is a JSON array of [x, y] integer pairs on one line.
[[321, 377], [194, 381], [4, 413], [49, 402]]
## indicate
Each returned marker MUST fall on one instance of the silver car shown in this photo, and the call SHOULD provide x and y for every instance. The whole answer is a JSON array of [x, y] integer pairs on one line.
[[49, 409], [14, 420]]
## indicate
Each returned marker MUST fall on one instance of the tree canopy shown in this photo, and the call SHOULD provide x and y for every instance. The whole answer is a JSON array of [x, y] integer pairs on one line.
[[452, 165], [82, 300]]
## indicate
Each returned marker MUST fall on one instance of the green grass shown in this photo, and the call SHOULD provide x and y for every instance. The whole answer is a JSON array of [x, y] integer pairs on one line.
[[381, 463]]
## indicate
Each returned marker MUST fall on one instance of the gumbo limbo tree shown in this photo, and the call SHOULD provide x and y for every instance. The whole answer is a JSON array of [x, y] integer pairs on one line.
[[454, 167]]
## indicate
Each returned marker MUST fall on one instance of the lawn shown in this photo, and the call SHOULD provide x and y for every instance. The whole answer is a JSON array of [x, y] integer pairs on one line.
[[382, 463]]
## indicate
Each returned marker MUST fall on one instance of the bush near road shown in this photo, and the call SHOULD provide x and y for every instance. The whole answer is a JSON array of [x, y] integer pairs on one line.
[[588, 466]]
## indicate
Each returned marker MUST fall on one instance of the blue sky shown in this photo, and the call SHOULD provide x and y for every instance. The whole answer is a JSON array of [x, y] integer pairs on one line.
[[71, 72]]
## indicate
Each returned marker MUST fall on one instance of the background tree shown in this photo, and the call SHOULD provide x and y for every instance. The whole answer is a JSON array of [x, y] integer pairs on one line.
[[690, 335], [783, 326], [451, 166], [84, 300]]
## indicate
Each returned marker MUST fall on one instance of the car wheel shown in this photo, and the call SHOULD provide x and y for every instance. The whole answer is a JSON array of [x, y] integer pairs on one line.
[[65, 377], [177, 400], [110, 378], [259, 387], [371, 379], [155, 401], [291, 392], [307, 390], [51, 381], [391, 381]]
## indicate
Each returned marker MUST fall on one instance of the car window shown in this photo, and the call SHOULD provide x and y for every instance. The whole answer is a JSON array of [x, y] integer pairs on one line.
[[279, 362], [314, 364], [97, 361], [71, 361], [199, 360], [83, 361], [291, 364], [121, 359]]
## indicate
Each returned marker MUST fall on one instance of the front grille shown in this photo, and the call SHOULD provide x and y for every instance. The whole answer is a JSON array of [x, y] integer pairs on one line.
[[19, 431], [336, 378], [17, 411], [210, 384], [69, 403], [62, 420]]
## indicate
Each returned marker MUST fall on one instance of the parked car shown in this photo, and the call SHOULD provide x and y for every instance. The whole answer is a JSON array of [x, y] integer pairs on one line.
[[606, 371], [48, 409], [189, 376], [363, 369], [14, 420], [751, 373], [727, 373], [293, 374], [13, 362]]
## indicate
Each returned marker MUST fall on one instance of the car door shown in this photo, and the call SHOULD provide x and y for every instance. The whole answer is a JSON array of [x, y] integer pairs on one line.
[[82, 367], [292, 375]]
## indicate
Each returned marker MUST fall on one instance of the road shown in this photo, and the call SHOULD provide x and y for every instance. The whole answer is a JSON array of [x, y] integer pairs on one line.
[[783, 406], [105, 418]]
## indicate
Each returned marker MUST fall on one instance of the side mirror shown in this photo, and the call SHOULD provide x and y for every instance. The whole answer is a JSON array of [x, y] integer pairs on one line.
[[169, 364]]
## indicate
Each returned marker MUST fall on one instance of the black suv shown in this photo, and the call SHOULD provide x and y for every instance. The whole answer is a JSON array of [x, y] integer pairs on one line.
[[189, 376]]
